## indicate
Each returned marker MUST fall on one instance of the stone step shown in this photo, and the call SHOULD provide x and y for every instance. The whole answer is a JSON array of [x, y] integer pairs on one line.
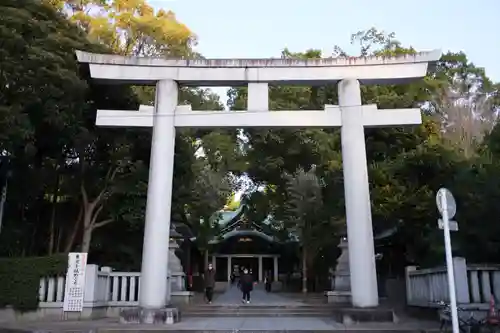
[[258, 309], [263, 307], [260, 314], [343, 315]]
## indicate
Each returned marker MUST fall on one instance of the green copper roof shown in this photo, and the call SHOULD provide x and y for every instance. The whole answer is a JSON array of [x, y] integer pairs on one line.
[[239, 233], [226, 217]]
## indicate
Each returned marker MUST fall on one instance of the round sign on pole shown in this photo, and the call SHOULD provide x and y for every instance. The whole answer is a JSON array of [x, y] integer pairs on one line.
[[451, 206]]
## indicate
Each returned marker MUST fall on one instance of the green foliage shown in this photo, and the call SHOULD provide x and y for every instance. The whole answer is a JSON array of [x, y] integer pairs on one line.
[[476, 188], [465, 102], [492, 142], [72, 178], [129, 27], [38, 68], [306, 213], [407, 165], [210, 191], [307, 218], [232, 204], [74, 181], [403, 191], [20, 279]]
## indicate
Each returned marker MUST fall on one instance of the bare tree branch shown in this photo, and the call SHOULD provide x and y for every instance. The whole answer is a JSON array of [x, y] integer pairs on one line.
[[110, 176], [466, 116], [96, 215], [102, 223], [84, 194]]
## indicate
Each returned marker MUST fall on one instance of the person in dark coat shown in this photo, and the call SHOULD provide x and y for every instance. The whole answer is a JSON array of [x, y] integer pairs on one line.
[[236, 275], [246, 285], [240, 274], [268, 281], [209, 278]]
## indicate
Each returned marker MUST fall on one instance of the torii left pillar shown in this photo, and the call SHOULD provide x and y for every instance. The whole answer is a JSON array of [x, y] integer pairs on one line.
[[154, 271]]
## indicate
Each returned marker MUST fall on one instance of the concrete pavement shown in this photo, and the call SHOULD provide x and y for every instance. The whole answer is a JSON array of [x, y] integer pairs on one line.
[[231, 297]]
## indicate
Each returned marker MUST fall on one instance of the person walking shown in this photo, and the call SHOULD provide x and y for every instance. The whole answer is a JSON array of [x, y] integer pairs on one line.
[[268, 281], [246, 285], [236, 274], [240, 274], [209, 278]]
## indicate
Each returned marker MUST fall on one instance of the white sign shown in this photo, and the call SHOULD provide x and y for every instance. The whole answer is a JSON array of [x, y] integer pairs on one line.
[[75, 282], [453, 225], [451, 206]]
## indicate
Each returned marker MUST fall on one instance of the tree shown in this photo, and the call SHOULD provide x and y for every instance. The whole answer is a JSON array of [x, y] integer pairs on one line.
[[211, 191], [477, 193], [464, 102], [491, 142], [403, 198], [306, 216], [62, 164], [130, 27], [43, 98], [61, 156], [232, 203], [391, 152], [268, 162]]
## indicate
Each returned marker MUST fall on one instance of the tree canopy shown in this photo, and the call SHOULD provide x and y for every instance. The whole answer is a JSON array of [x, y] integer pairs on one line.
[[77, 186], [71, 177], [406, 165]]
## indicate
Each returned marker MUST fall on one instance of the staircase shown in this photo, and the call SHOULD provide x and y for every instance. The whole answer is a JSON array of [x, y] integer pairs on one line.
[[249, 310], [338, 314], [266, 305]]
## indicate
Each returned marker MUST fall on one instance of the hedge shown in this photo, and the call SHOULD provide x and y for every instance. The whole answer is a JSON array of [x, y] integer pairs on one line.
[[20, 279]]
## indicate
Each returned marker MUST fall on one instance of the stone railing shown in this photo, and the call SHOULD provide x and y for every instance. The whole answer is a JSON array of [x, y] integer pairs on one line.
[[475, 285], [106, 291]]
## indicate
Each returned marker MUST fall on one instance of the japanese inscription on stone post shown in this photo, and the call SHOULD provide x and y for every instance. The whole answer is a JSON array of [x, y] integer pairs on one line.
[[75, 282]]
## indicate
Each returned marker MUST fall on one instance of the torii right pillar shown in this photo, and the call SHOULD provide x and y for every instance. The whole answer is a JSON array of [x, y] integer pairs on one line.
[[355, 117]]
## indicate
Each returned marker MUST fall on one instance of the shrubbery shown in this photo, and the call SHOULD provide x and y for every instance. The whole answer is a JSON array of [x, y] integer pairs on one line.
[[20, 279]]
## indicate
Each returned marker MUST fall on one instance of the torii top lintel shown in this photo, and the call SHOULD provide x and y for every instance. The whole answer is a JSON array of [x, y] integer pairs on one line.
[[235, 72]]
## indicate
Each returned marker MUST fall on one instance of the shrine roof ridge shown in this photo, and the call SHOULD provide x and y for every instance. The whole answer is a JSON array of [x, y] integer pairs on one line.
[[111, 59]]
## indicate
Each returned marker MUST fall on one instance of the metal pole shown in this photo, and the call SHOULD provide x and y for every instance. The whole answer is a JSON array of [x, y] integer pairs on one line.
[[2, 202], [449, 266]]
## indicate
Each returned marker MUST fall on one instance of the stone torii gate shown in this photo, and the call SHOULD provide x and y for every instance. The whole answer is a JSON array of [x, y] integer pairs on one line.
[[166, 115]]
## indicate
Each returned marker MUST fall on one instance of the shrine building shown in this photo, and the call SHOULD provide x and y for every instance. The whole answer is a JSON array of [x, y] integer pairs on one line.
[[240, 243]]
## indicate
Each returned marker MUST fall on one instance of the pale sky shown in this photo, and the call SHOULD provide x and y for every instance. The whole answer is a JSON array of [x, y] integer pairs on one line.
[[262, 28]]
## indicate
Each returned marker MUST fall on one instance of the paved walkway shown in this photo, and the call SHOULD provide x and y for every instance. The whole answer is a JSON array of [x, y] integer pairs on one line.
[[222, 325], [232, 296], [259, 296]]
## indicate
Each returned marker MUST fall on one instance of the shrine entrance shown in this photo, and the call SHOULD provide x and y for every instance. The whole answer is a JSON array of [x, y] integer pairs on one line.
[[257, 74], [251, 263], [243, 243], [259, 265], [238, 264]]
